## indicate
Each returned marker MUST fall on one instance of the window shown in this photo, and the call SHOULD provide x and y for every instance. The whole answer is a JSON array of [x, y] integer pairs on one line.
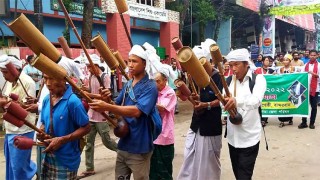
[[146, 2]]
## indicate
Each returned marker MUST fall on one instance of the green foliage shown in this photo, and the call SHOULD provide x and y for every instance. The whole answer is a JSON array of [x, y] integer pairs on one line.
[[204, 11], [175, 5], [68, 4]]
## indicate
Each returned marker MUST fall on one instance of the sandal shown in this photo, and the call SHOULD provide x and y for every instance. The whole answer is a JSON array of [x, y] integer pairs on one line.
[[281, 124], [86, 174]]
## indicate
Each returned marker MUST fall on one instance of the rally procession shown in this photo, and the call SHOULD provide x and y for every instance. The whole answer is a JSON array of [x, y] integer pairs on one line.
[[185, 90]]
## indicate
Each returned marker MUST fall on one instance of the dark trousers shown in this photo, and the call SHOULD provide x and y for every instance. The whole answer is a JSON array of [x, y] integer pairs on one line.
[[161, 162], [313, 103], [243, 160]]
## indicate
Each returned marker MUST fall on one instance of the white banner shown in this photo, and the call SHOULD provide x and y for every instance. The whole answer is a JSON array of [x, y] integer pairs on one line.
[[268, 36], [148, 12]]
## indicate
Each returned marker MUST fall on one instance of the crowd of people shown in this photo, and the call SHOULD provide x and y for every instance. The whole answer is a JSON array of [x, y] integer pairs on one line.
[[65, 118]]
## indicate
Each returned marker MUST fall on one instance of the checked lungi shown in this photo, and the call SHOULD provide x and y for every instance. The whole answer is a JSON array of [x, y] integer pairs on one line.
[[52, 170]]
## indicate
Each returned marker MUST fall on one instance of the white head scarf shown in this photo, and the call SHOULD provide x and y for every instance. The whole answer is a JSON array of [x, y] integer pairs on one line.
[[71, 67], [138, 51], [5, 59], [206, 47], [238, 55], [168, 71], [95, 59], [198, 51]]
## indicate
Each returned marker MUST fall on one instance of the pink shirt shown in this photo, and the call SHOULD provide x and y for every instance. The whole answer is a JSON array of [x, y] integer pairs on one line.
[[167, 98], [94, 85]]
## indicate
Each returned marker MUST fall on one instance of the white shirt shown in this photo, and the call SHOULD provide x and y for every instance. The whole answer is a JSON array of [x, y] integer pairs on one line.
[[248, 133], [30, 86]]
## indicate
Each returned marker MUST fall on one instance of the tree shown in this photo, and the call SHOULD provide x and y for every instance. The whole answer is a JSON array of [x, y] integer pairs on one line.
[[86, 35], [181, 6], [37, 4], [203, 12], [66, 32]]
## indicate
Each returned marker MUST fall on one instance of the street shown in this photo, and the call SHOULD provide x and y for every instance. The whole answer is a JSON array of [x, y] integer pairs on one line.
[[293, 153]]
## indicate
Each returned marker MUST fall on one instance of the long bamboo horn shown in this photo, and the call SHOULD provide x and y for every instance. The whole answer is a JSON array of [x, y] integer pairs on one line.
[[94, 68], [52, 69], [122, 7], [110, 58], [193, 66], [33, 38], [217, 59]]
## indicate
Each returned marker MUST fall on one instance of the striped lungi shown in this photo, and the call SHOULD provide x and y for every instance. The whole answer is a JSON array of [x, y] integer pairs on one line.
[[52, 170]]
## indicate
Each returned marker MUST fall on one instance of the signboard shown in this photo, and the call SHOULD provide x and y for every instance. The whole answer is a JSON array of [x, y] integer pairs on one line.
[[77, 8], [290, 7], [287, 95], [268, 36], [254, 50], [148, 12], [4, 8]]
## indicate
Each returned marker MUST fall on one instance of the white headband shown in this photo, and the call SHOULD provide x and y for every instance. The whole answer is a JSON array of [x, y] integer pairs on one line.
[[238, 55], [5, 59]]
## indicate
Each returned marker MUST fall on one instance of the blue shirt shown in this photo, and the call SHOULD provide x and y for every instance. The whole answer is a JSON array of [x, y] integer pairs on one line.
[[305, 60], [68, 115], [139, 139]]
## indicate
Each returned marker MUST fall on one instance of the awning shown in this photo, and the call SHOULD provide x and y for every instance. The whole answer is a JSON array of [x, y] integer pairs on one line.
[[305, 21]]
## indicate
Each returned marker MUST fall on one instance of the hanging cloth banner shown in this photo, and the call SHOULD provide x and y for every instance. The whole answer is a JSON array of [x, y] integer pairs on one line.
[[268, 36], [287, 95], [289, 7]]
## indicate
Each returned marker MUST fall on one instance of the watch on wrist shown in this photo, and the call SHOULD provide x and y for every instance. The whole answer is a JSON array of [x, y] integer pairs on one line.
[[209, 107]]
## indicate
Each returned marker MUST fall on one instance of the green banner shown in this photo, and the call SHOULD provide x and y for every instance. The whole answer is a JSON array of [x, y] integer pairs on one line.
[[295, 10], [286, 95], [77, 8]]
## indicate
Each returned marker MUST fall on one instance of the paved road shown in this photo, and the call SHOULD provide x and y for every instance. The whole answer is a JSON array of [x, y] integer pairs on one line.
[[293, 153]]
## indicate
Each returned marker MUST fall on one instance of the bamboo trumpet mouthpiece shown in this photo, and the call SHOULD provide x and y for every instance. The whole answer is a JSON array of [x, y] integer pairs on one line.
[[121, 6], [105, 52], [192, 65], [33, 38]]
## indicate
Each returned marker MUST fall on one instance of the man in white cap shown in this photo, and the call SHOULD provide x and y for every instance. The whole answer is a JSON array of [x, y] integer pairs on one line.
[[18, 162], [163, 153], [97, 123], [247, 90], [135, 103]]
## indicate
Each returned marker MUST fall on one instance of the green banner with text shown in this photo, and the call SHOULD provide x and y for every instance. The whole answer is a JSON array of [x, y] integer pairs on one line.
[[286, 95]]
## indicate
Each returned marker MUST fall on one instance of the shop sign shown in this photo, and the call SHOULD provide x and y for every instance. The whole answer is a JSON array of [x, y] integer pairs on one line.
[[148, 12], [77, 8]]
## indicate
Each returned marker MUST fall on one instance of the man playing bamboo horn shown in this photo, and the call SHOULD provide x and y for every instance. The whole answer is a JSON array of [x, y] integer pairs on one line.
[[97, 123], [66, 121], [35, 105], [204, 138], [247, 93], [18, 162], [136, 148]]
